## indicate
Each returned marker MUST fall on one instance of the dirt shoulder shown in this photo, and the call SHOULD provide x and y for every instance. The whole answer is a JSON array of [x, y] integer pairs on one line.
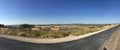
[[113, 42]]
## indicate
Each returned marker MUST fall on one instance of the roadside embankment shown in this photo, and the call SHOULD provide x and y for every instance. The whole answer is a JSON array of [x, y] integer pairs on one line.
[[56, 40]]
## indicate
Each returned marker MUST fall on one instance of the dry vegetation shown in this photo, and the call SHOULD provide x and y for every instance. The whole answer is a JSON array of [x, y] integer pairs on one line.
[[51, 31]]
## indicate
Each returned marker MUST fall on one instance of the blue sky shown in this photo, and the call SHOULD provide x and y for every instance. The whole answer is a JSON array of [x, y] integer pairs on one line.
[[59, 11]]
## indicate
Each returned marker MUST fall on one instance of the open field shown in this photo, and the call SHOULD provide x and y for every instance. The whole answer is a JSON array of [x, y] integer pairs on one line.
[[52, 31], [89, 43]]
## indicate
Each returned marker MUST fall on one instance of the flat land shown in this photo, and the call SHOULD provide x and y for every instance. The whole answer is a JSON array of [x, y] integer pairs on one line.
[[89, 43], [52, 31]]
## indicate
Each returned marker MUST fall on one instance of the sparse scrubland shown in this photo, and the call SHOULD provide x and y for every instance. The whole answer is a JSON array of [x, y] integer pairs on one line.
[[51, 31]]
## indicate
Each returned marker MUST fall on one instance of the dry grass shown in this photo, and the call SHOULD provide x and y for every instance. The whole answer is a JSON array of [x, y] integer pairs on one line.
[[46, 32]]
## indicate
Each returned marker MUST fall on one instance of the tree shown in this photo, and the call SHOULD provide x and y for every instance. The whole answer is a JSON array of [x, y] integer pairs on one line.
[[26, 26], [1, 25]]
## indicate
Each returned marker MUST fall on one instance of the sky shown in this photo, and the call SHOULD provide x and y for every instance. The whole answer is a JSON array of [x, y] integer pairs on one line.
[[59, 11]]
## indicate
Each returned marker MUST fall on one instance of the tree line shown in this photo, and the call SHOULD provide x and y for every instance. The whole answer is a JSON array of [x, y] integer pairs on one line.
[[1, 25]]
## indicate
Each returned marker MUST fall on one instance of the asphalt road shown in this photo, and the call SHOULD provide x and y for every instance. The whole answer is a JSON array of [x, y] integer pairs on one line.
[[89, 43]]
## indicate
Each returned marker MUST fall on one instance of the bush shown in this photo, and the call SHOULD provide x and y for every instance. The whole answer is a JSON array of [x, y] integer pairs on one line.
[[24, 34], [66, 33], [35, 34]]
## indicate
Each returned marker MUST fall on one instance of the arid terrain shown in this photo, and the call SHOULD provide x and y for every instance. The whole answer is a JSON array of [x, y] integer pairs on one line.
[[52, 31]]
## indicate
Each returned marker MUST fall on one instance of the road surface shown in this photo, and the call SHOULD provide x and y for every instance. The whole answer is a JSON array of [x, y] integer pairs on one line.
[[89, 43], [113, 43]]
